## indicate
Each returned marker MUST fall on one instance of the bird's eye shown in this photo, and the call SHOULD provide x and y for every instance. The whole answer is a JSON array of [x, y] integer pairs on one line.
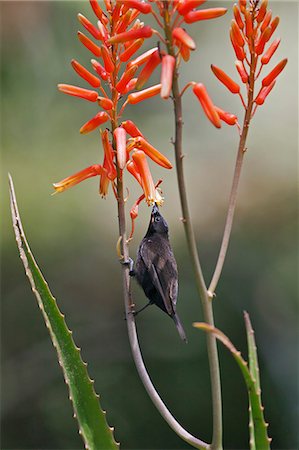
[[157, 219]]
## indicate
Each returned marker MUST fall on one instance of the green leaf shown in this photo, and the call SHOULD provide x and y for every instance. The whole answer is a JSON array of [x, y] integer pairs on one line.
[[254, 370], [96, 433], [259, 433]]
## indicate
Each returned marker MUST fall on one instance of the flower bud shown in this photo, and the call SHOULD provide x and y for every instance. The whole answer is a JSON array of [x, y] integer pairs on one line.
[[95, 122], [89, 26], [125, 78], [181, 36], [187, 5], [91, 46], [270, 52], [75, 91], [131, 128], [85, 74], [143, 32], [108, 63], [264, 92], [227, 117], [137, 97], [204, 14], [274, 73], [140, 143], [226, 80], [262, 11], [148, 69], [168, 66], [126, 54], [242, 72], [99, 69], [207, 104], [121, 152]]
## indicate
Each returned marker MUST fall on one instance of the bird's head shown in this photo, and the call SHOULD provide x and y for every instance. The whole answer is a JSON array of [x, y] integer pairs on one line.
[[157, 223]]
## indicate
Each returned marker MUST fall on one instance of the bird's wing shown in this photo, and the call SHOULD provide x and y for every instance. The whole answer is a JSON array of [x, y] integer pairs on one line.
[[159, 277]]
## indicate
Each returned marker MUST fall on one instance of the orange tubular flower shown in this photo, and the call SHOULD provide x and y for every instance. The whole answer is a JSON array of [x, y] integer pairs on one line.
[[108, 63], [71, 181], [204, 14], [104, 183], [242, 72], [237, 35], [126, 77], [89, 26], [97, 9], [126, 54], [132, 168], [207, 104], [143, 32], [266, 21], [152, 196], [264, 92], [148, 69], [143, 58], [187, 5], [270, 52], [238, 17], [226, 80], [85, 74], [137, 97], [95, 122], [227, 117], [259, 48], [144, 8], [239, 51], [109, 154], [168, 66], [151, 151], [121, 152], [180, 35], [75, 91], [262, 11], [91, 46], [99, 69], [131, 128], [274, 73], [105, 103]]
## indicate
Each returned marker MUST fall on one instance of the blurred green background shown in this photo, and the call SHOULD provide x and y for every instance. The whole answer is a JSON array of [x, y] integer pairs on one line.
[[73, 237]]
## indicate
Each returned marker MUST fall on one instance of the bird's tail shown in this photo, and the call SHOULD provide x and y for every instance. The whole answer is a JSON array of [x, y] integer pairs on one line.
[[180, 328]]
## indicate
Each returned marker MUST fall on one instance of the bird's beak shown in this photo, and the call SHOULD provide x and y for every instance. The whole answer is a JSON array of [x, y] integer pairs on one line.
[[155, 209]]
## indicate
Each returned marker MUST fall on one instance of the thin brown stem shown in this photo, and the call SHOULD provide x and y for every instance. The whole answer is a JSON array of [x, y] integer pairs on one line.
[[200, 282], [129, 305], [236, 179]]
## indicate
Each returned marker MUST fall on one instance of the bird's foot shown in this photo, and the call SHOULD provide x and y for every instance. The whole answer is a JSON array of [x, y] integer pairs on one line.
[[130, 263]]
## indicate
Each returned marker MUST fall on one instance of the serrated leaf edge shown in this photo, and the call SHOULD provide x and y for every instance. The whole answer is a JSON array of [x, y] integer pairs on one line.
[[21, 240]]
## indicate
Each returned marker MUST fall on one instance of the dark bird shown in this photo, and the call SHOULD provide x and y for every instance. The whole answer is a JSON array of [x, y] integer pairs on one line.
[[156, 269]]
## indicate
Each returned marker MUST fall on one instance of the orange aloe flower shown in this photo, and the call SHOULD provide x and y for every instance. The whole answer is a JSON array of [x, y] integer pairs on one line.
[[131, 128], [168, 66], [264, 92], [126, 54], [226, 80], [274, 73], [91, 46], [75, 91], [68, 182], [121, 152], [270, 52], [186, 6], [227, 117], [85, 74], [99, 69], [207, 104], [148, 69], [95, 32], [152, 195], [143, 32], [204, 14], [137, 97], [141, 59], [109, 155], [95, 122], [126, 78], [180, 35], [140, 143]]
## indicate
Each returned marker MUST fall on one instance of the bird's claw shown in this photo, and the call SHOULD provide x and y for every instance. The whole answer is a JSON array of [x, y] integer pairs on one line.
[[130, 263]]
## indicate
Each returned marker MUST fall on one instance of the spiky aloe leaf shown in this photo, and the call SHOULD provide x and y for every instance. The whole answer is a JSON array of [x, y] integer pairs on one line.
[[254, 370], [96, 433], [261, 440]]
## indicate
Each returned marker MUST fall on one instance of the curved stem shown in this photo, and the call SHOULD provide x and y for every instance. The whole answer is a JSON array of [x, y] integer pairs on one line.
[[200, 282], [129, 306], [236, 178]]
